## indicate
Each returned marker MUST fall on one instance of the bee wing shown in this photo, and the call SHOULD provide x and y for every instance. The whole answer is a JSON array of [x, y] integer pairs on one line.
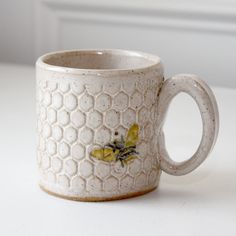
[[104, 154], [132, 136], [129, 159]]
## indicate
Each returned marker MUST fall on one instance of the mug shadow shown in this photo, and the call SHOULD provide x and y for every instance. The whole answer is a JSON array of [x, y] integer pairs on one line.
[[157, 196], [203, 185]]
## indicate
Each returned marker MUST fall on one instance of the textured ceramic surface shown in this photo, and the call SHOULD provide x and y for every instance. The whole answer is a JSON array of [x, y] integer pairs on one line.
[[87, 99]]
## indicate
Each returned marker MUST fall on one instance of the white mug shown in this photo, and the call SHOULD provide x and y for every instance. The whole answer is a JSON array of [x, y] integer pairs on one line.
[[100, 118]]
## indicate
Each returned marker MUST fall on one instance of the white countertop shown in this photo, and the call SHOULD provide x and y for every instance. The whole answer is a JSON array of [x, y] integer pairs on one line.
[[201, 203]]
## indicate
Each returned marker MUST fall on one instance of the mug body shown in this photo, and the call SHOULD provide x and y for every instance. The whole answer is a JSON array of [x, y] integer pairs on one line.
[[96, 123]]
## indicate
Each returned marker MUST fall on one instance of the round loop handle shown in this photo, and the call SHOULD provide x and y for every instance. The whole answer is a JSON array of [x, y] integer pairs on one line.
[[206, 102]]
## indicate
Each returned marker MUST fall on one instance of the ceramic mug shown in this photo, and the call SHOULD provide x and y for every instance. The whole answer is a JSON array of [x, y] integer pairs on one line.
[[100, 117]]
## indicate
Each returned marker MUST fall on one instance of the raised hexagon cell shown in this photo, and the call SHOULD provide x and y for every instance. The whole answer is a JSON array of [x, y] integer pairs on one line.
[[129, 117], [149, 131], [64, 87], [44, 84], [142, 149], [39, 95], [121, 101], [94, 119], [143, 115], [57, 100], [118, 170], [63, 117], [57, 133], [86, 102], [94, 184], [111, 87], [52, 115], [153, 146], [152, 178], [50, 176], [78, 151], [52, 85], [129, 86], [102, 136], [70, 167], [140, 180], [135, 167], [70, 134], [86, 135], [56, 164], [77, 87], [70, 102], [78, 184], [121, 131], [155, 161], [94, 89], [142, 85], [126, 183], [136, 100], [103, 102], [112, 118], [43, 113], [63, 150], [102, 170], [111, 184], [47, 99], [63, 181], [45, 162], [78, 119], [51, 147], [153, 112], [141, 134], [149, 98], [85, 169], [46, 130], [147, 164], [42, 144]]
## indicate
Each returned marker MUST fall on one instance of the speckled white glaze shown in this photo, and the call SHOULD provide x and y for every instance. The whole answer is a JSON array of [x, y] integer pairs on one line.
[[84, 97]]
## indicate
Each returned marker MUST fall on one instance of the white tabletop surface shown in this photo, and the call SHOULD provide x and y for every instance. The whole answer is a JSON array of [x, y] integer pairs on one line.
[[200, 203]]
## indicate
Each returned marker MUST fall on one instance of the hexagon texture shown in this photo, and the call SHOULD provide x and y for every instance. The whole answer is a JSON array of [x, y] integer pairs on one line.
[[74, 118]]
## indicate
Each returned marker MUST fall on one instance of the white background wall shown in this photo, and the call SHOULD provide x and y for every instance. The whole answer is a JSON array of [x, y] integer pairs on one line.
[[190, 36], [16, 31]]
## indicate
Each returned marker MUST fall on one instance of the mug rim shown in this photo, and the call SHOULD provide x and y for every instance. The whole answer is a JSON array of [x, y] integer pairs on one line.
[[155, 61]]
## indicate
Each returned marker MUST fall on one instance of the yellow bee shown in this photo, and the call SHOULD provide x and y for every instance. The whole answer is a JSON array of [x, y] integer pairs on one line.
[[119, 150]]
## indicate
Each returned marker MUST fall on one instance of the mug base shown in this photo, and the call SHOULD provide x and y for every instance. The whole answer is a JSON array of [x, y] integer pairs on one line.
[[97, 199]]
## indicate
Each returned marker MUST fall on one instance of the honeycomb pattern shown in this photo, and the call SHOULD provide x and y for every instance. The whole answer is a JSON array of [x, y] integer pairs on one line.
[[74, 118]]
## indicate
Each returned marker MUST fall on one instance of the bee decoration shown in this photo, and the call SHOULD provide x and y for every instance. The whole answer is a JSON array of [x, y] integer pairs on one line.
[[123, 150]]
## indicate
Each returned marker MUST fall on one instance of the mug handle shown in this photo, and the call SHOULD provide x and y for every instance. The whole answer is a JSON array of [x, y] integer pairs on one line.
[[205, 99]]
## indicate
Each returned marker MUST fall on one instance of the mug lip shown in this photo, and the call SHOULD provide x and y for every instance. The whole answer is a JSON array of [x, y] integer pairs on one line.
[[155, 61]]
